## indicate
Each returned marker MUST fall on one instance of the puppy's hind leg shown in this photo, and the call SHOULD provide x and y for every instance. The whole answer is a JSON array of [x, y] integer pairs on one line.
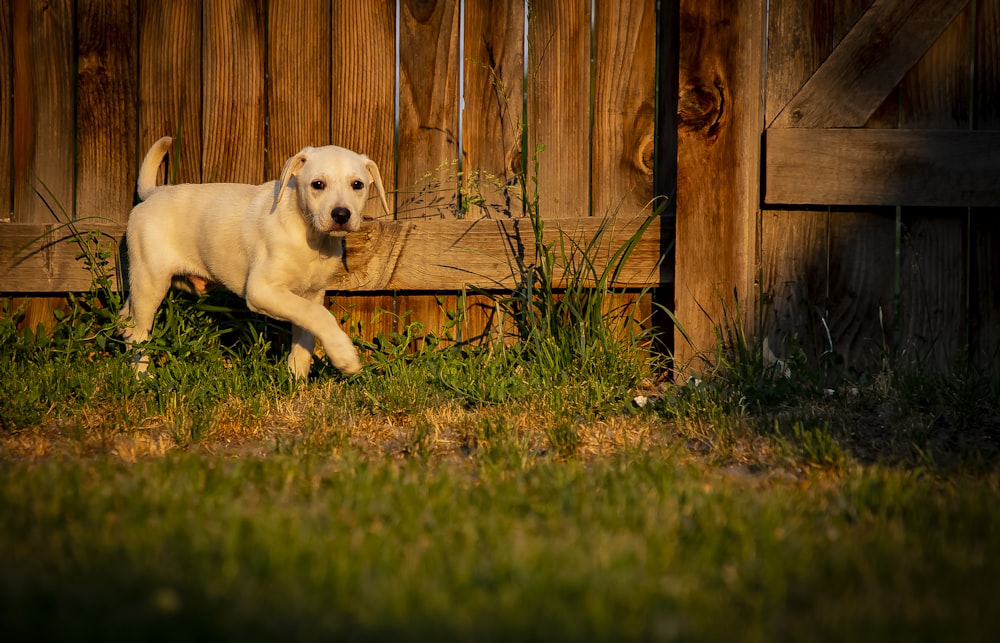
[[300, 358], [138, 313]]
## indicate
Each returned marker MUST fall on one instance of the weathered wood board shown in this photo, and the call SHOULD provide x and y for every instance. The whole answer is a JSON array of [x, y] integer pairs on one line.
[[6, 113], [624, 107], [170, 82], [43, 257], [233, 91], [984, 229], [429, 140], [559, 51], [363, 85], [299, 83], [413, 255], [106, 110], [493, 117], [870, 60], [882, 167], [718, 170], [934, 244], [44, 110], [44, 62]]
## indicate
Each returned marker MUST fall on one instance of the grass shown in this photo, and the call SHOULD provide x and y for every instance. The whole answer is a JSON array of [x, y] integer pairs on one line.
[[512, 490], [640, 545], [320, 540]]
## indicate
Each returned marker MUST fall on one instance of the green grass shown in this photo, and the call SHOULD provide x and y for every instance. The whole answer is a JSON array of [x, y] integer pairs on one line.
[[507, 490], [640, 545]]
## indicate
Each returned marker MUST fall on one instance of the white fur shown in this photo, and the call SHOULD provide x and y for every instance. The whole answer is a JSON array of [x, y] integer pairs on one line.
[[276, 244]]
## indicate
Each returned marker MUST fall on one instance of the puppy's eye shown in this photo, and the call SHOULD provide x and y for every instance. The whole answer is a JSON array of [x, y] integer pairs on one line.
[[357, 185], [317, 185]]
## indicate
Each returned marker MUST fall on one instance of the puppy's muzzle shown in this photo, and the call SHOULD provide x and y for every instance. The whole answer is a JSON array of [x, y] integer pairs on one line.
[[340, 216]]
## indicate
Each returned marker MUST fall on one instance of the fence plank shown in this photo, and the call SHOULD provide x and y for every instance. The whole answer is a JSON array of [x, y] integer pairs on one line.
[[299, 90], [6, 112], [365, 316], [624, 106], [862, 268], [428, 126], [363, 117], [799, 38], [933, 285], [794, 256], [363, 86], [794, 243], [721, 64], [984, 295], [984, 299], [43, 111], [43, 123], [559, 105], [106, 113], [483, 319], [871, 59], [233, 107], [862, 255], [428, 103], [170, 73], [492, 122]]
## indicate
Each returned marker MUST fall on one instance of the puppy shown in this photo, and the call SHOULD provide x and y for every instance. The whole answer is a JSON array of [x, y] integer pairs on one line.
[[276, 245]]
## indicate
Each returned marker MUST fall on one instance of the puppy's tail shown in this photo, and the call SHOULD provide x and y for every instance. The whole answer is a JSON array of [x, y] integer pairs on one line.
[[150, 165]]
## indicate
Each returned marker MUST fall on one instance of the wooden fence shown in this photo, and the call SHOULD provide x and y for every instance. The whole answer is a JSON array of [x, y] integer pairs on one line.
[[454, 100], [835, 161]]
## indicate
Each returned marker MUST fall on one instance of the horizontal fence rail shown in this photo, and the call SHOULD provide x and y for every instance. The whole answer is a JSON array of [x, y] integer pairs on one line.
[[413, 255]]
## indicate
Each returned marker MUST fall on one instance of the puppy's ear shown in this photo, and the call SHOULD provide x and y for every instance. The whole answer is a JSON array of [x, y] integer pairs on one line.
[[292, 167], [377, 180]]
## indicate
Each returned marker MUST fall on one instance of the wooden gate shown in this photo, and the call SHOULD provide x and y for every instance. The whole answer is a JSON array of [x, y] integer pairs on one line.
[[864, 156]]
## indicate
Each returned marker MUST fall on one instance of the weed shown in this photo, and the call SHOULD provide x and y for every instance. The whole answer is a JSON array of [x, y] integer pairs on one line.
[[564, 435], [814, 447]]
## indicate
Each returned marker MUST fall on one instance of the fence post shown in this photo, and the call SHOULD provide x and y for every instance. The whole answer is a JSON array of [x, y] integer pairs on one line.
[[719, 123]]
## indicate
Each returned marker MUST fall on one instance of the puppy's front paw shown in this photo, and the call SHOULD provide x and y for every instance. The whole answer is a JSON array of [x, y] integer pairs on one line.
[[345, 358], [348, 364]]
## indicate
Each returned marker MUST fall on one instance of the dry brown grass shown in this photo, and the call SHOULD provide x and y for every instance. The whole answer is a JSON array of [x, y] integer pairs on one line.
[[311, 420]]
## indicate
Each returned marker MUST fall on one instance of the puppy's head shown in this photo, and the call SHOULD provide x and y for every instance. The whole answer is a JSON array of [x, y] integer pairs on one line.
[[332, 185]]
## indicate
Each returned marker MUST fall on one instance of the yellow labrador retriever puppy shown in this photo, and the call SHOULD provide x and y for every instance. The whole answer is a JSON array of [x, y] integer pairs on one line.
[[276, 245]]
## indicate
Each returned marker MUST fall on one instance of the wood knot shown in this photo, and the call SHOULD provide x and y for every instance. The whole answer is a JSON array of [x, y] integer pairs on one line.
[[642, 140], [648, 153], [514, 161], [700, 106]]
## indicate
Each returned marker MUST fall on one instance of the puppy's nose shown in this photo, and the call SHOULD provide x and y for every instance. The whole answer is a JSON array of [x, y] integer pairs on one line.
[[341, 215]]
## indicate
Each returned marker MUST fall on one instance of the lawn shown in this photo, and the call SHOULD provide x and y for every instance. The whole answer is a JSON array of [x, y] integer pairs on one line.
[[559, 487], [642, 544]]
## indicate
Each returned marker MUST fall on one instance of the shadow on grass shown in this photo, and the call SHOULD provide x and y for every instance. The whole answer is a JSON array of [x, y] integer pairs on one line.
[[126, 605]]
